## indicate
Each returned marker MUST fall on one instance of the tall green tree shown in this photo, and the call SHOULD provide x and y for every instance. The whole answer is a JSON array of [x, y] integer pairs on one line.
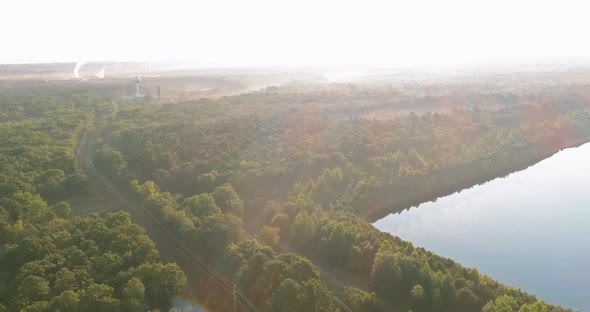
[[134, 296], [503, 303], [533, 307], [228, 200], [386, 273]]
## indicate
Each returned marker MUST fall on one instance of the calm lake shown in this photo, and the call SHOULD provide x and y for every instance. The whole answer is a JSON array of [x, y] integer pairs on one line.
[[530, 229]]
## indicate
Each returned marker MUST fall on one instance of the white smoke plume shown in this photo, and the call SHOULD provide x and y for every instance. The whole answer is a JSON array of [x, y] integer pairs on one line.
[[100, 74], [77, 69]]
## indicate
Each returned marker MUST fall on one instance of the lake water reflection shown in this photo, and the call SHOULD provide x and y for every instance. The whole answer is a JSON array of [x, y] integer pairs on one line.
[[530, 229]]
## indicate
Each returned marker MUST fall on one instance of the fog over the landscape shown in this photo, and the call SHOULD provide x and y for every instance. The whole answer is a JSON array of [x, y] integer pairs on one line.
[[263, 32], [294, 155]]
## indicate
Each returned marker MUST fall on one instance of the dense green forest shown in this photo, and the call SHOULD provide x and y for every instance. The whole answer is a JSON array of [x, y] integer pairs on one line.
[[51, 260], [274, 189]]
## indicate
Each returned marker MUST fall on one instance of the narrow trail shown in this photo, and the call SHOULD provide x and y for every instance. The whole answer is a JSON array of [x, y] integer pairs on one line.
[[170, 247], [112, 197]]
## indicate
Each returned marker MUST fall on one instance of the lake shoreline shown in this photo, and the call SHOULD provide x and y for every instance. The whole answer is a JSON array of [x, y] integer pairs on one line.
[[433, 196], [505, 226]]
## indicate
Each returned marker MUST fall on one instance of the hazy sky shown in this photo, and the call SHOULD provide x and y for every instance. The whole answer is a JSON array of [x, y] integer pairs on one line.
[[295, 32]]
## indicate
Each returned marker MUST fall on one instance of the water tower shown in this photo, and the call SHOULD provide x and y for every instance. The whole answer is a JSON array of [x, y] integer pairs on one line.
[[137, 80]]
